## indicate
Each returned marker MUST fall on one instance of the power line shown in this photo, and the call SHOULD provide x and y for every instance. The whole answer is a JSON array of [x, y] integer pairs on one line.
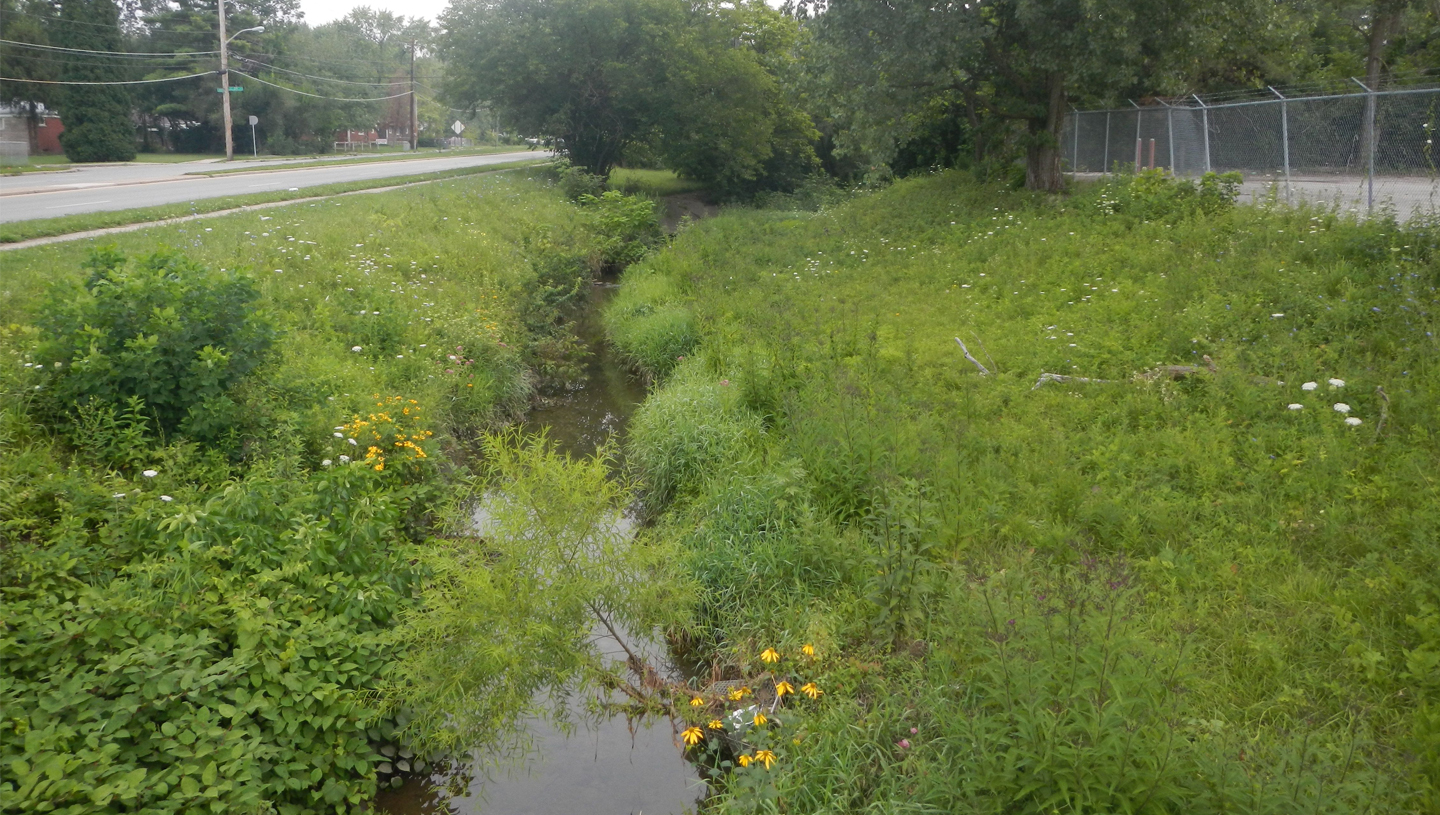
[[319, 78], [316, 95], [109, 53], [126, 82]]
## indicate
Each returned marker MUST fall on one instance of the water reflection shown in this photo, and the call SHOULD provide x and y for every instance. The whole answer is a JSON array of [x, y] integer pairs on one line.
[[612, 766]]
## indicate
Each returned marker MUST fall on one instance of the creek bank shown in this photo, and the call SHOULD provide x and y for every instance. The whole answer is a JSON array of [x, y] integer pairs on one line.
[[614, 765]]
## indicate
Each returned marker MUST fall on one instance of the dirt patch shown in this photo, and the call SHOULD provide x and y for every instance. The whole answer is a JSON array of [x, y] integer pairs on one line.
[[690, 205]]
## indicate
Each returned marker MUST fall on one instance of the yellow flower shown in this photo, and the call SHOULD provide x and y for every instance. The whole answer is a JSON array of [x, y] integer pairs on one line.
[[693, 736], [736, 694], [696, 701], [807, 649], [782, 688], [744, 759], [765, 757], [716, 724], [770, 655], [760, 719], [811, 689]]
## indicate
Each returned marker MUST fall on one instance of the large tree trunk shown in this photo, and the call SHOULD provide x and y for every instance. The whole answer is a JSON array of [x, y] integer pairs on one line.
[[1042, 157], [1384, 22]]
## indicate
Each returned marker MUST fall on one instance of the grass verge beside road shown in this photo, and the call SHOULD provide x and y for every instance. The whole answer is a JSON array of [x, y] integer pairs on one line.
[[66, 224], [231, 169]]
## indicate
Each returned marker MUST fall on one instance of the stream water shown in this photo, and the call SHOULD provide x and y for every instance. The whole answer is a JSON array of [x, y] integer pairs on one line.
[[615, 768]]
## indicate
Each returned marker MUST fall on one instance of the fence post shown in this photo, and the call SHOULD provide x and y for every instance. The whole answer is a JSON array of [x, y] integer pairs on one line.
[[1285, 138], [1138, 114], [1075, 150], [1205, 125], [1106, 167], [1367, 143], [1170, 133]]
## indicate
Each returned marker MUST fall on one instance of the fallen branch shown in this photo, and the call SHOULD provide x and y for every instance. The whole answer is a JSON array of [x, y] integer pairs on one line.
[[983, 371], [1163, 372], [1384, 410]]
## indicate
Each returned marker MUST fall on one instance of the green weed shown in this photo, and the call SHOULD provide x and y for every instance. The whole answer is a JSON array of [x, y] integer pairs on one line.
[[1289, 543]]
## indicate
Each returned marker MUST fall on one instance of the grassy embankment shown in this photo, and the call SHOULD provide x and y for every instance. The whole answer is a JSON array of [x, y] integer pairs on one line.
[[1205, 594], [18, 231], [201, 591]]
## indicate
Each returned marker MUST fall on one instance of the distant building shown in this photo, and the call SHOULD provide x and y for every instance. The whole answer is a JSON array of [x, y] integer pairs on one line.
[[22, 135]]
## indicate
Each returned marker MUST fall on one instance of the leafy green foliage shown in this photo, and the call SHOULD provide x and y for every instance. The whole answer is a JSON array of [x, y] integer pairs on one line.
[[188, 630], [509, 609], [209, 652], [164, 330], [625, 228], [97, 117], [694, 83]]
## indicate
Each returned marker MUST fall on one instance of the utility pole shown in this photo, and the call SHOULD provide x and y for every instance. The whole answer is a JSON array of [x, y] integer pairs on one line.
[[414, 106], [225, 84], [225, 77]]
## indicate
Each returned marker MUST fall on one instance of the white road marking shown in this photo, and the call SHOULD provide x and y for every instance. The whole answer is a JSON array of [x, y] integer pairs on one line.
[[86, 204]]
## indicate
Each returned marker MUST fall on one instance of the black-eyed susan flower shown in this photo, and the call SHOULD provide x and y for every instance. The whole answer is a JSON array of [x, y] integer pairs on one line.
[[715, 724], [696, 701], [770, 655], [765, 757], [811, 689], [693, 736], [782, 688], [744, 759], [760, 719], [807, 649]]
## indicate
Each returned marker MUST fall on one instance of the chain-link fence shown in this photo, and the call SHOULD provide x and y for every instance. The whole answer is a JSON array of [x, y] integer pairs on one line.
[[1367, 150]]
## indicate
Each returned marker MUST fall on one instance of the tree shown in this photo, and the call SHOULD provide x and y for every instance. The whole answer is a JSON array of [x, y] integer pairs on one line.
[[97, 117], [690, 81], [1017, 60], [25, 22]]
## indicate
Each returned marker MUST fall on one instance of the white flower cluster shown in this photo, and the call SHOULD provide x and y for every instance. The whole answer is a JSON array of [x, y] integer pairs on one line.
[[1339, 407]]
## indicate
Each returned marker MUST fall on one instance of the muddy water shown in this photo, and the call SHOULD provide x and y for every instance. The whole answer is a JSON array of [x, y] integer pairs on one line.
[[614, 768]]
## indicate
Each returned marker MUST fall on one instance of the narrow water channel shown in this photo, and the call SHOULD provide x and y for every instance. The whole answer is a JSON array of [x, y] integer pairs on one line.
[[615, 768]]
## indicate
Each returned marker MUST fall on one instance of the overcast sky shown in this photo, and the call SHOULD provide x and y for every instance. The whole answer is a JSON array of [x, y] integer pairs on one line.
[[319, 12]]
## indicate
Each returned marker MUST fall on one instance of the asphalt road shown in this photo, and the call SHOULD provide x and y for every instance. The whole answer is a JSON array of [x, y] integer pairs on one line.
[[103, 189]]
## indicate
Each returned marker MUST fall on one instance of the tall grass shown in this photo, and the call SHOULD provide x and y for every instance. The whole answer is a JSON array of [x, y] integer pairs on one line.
[[1290, 549]]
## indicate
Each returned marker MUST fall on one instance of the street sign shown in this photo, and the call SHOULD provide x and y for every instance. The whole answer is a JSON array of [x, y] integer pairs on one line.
[[457, 127], [233, 89], [254, 120]]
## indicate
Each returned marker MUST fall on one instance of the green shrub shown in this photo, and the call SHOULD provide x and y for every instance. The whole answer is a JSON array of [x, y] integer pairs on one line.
[[1157, 195], [625, 228], [164, 330]]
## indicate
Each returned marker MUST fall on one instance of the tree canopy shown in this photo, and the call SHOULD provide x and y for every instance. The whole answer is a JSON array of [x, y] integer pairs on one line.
[[603, 76]]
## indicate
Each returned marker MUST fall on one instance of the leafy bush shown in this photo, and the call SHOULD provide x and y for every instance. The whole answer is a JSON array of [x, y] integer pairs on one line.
[[625, 228], [576, 183], [162, 329], [1155, 194], [214, 655]]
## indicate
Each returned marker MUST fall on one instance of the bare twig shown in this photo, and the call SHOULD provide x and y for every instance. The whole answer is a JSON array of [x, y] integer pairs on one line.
[[983, 371], [1045, 378], [1162, 372], [985, 351], [1384, 410]]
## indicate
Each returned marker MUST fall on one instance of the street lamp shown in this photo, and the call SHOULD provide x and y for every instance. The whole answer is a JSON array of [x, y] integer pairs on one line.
[[225, 77]]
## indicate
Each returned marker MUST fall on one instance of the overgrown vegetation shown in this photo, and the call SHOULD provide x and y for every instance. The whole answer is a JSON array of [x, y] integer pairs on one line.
[[1202, 585], [221, 468]]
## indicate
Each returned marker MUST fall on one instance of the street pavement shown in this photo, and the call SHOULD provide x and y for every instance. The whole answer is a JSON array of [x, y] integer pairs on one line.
[[127, 186]]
